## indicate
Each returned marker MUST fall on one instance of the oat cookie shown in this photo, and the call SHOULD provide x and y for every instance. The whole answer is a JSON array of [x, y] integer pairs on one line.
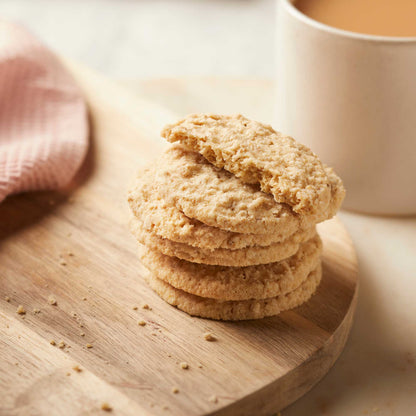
[[223, 257], [167, 221], [256, 153], [235, 310], [218, 198], [235, 283]]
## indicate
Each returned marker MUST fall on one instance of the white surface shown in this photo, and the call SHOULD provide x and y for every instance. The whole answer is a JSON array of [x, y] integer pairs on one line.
[[156, 38]]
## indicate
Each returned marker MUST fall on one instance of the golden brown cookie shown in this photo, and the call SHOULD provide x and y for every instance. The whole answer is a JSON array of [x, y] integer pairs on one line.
[[217, 198], [235, 310], [221, 256], [167, 221], [235, 283], [256, 153]]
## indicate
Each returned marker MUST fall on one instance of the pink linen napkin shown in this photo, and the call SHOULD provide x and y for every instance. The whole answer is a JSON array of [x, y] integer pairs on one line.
[[43, 117]]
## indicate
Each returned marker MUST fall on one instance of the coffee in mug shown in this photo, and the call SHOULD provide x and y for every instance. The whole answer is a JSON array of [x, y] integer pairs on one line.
[[374, 17]]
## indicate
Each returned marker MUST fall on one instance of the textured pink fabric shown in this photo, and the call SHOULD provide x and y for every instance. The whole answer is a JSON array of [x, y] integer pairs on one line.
[[43, 118]]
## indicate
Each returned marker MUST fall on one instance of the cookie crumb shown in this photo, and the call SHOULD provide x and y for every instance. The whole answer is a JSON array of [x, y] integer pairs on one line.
[[209, 337], [84, 298], [82, 334], [106, 407], [7, 299], [52, 342], [146, 306], [141, 323], [213, 399], [73, 314], [52, 300], [68, 374], [62, 262], [61, 344], [20, 310], [70, 254], [175, 390], [36, 311], [135, 308], [200, 365], [88, 345], [184, 365], [77, 368]]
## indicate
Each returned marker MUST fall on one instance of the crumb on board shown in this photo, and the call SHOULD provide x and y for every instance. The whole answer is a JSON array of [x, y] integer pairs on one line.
[[209, 337], [81, 326], [146, 306], [200, 365], [106, 407], [184, 365], [84, 298], [74, 314], [175, 390], [68, 374], [82, 334], [77, 368], [141, 322], [70, 254], [61, 344], [7, 299], [165, 408], [36, 311], [88, 345], [135, 308], [52, 342], [213, 399], [52, 300], [20, 310]]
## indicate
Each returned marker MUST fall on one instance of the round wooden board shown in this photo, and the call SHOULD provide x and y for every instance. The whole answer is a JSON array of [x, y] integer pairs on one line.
[[254, 368]]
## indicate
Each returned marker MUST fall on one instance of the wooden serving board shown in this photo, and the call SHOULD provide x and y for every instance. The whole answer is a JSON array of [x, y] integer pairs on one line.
[[74, 245]]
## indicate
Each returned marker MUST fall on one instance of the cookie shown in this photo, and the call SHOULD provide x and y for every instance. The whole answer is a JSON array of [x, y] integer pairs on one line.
[[223, 257], [234, 283], [256, 153], [167, 221], [217, 198], [235, 310]]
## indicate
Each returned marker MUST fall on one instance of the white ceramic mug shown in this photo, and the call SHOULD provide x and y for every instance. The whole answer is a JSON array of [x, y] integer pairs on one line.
[[352, 99]]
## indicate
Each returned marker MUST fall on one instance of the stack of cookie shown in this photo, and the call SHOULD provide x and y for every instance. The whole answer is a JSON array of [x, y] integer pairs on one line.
[[226, 218]]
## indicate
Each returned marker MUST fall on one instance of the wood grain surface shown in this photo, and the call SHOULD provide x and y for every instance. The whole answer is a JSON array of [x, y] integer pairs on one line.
[[74, 245]]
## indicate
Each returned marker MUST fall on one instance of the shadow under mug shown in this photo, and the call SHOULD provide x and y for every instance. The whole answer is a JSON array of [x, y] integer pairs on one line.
[[351, 98]]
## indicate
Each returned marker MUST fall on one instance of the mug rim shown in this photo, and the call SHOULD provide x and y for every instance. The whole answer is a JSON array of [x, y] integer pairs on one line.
[[296, 13]]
